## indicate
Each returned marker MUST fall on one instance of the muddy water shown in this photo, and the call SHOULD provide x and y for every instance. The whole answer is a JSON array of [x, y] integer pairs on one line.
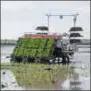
[[6, 50], [8, 81], [80, 79]]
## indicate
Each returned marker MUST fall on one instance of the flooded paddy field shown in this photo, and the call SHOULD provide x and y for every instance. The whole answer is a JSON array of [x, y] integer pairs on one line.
[[35, 76]]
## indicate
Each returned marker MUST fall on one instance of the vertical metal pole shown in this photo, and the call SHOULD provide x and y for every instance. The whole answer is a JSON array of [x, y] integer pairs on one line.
[[69, 37], [74, 20], [48, 22], [48, 16]]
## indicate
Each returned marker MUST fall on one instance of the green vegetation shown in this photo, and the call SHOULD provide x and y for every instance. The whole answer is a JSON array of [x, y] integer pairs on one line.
[[35, 76], [34, 47], [42, 28], [5, 65]]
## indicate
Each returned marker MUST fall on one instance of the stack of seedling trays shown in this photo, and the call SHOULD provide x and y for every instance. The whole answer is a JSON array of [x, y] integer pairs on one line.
[[33, 48]]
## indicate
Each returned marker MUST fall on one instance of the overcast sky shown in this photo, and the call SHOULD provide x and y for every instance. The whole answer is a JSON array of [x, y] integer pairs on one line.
[[18, 17]]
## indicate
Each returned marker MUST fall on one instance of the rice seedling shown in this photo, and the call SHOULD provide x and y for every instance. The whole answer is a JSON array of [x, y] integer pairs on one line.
[[5, 65], [35, 75], [34, 45]]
